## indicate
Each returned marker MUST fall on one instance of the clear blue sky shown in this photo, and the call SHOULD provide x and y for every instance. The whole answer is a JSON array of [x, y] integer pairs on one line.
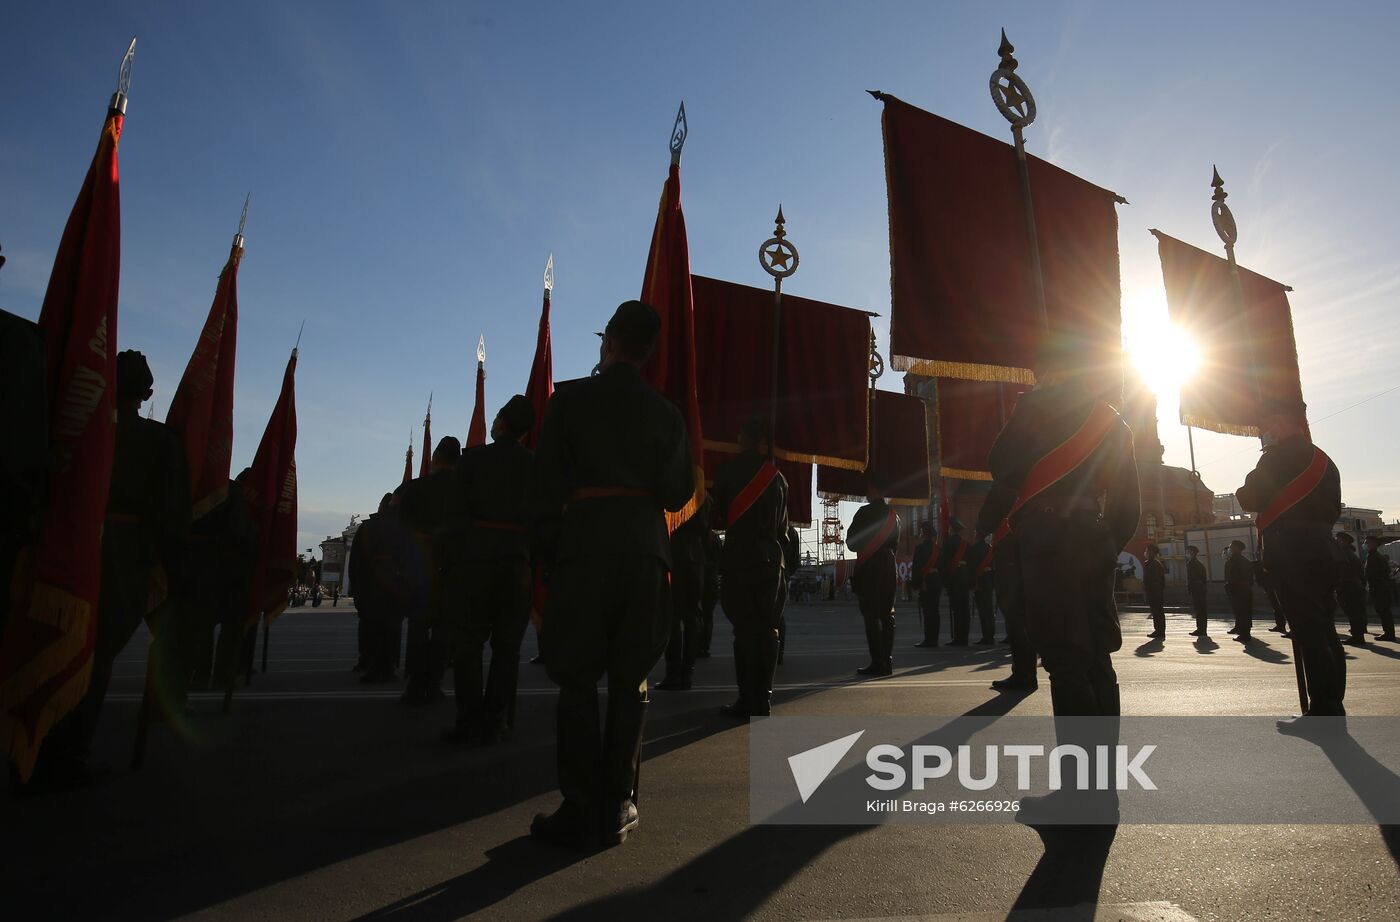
[[413, 165]]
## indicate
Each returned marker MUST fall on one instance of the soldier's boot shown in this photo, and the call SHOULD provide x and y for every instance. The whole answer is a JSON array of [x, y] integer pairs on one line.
[[876, 645], [622, 754], [765, 665], [887, 640], [743, 670]]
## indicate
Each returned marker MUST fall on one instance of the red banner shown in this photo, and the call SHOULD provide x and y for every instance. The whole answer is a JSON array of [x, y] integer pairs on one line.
[[46, 652], [968, 418], [476, 432], [541, 384], [962, 292], [822, 383], [1243, 353], [201, 412], [425, 462], [272, 497], [899, 448], [797, 474], [671, 368], [408, 463]]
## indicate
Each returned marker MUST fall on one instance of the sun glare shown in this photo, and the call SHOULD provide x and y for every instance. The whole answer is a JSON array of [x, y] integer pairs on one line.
[[1163, 355]]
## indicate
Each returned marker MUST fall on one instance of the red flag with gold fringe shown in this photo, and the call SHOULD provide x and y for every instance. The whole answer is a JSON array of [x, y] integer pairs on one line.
[[201, 412], [272, 496], [46, 651], [1246, 350], [898, 448], [671, 368], [968, 417], [961, 284]]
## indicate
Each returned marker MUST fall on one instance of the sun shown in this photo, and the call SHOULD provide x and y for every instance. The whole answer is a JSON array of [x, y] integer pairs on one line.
[[1163, 354]]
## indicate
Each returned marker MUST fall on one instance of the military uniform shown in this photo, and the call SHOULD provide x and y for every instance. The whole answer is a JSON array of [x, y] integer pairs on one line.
[[148, 514], [956, 580], [490, 572], [217, 580], [1196, 579], [709, 594], [1067, 545], [1154, 584], [874, 580], [429, 508], [1266, 582], [930, 586], [1351, 593], [612, 454], [1239, 580], [1010, 595], [792, 560], [752, 570], [981, 576], [687, 586], [1378, 581], [24, 453], [384, 562], [1301, 553]]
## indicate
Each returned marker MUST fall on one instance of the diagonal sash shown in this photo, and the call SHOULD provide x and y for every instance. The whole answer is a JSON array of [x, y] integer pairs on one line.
[[1002, 531], [958, 555], [1296, 490], [873, 546], [750, 493], [1062, 460], [930, 563]]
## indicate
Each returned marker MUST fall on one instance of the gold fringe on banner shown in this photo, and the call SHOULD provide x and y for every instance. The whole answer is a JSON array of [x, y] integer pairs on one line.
[[675, 520], [958, 473], [845, 464], [1215, 425], [966, 371]]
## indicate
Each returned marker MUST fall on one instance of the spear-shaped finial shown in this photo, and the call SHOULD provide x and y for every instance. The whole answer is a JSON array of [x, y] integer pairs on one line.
[[481, 350], [679, 130], [780, 231], [299, 332], [429, 415], [123, 79], [549, 277], [1220, 214], [242, 222], [1005, 49], [777, 255]]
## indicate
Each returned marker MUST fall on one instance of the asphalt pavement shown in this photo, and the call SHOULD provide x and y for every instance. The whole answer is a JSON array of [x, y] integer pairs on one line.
[[319, 797]]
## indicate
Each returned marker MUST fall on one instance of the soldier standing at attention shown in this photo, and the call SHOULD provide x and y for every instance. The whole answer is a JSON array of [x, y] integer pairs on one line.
[[1296, 492], [428, 507], [1351, 589], [148, 515], [956, 579], [751, 505], [926, 579], [489, 576], [1239, 580], [874, 535], [981, 577], [612, 455], [687, 588], [1378, 581], [1010, 594], [1154, 584], [1060, 450], [1196, 588]]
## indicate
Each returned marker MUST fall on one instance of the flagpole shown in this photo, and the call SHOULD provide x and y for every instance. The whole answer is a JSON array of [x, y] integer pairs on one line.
[[1016, 104], [778, 257], [1228, 232], [1195, 474]]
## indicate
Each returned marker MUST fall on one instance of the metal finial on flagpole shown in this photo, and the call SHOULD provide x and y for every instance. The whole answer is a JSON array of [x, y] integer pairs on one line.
[[1016, 104], [1221, 216], [242, 222], [481, 351], [778, 257], [549, 278], [679, 130], [299, 332], [123, 79], [429, 415]]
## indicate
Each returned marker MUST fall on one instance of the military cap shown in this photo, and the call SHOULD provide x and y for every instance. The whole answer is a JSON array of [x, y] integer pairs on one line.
[[134, 376], [1237, 541], [518, 414], [448, 449], [634, 322]]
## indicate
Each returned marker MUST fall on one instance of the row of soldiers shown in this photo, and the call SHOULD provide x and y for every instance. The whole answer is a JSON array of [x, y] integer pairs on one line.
[[186, 579], [1064, 502]]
